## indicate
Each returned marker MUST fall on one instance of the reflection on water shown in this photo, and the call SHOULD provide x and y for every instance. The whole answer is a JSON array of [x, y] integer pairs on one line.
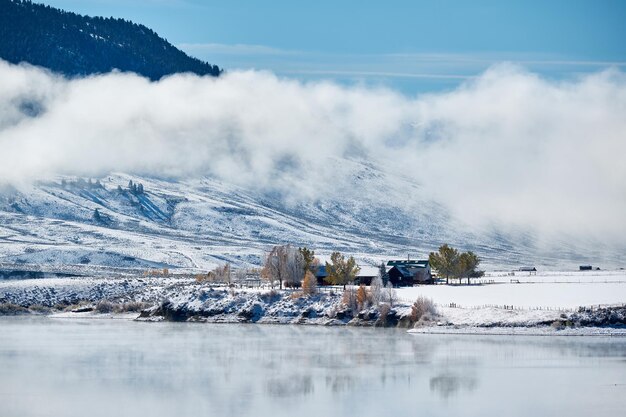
[[71, 368], [289, 386], [448, 384]]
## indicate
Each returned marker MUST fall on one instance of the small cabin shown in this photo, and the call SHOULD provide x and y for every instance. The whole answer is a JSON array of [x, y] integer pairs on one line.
[[585, 267]]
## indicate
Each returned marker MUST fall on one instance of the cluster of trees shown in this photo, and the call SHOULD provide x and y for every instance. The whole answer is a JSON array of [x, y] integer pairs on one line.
[[285, 264], [73, 45], [295, 267], [82, 183], [134, 188], [451, 263]]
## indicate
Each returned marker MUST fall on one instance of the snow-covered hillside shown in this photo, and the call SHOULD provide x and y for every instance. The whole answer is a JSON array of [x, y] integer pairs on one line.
[[199, 223]]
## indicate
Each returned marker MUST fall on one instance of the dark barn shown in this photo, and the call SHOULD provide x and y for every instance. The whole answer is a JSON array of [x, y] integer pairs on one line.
[[408, 273]]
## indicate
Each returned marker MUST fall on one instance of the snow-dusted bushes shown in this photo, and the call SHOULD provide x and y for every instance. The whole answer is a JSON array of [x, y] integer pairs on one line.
[[309, 284], [423, 309]]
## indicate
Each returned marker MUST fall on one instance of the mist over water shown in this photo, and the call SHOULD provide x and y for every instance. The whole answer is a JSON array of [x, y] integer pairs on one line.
[[115, 367], [508, 148]]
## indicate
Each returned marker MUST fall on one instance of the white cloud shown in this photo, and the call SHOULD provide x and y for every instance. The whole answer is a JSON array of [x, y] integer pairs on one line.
[[507, 147]]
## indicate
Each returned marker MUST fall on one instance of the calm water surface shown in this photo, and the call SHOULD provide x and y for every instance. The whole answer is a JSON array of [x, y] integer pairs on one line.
[[67, 367]]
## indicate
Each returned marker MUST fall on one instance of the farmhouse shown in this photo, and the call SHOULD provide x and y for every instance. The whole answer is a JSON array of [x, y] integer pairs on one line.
[[365, 276], [407, 272]]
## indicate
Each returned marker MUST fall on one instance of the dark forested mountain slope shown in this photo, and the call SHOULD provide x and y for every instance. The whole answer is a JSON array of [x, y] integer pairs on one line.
[[72, 44]]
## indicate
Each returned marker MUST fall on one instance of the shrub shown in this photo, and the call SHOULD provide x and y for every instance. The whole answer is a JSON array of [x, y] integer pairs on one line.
[[422, 307], [349, 298], [361, 297], [296, 294], [384, 309], [309, 284], [558, 325]]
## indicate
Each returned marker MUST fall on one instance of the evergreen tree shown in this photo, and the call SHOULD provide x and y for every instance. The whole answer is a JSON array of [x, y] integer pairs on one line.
[[308, 257], [73, 45], [468, 262], [96, 216], [445, 261]]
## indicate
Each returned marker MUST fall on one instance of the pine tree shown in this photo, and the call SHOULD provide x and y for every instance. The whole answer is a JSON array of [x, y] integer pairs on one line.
[[308, 257], [445, 261], [468, 262], [96, 216]]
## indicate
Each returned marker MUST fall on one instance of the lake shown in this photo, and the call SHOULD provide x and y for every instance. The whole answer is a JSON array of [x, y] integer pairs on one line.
[[104, 367]]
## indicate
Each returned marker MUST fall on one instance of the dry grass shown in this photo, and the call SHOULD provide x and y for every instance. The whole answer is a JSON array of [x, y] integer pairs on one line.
[[104, 307], [10, 309]]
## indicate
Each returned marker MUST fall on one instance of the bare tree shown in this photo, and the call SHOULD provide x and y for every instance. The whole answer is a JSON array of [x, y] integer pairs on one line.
[[390, 295], [284, 264], [376, 289]]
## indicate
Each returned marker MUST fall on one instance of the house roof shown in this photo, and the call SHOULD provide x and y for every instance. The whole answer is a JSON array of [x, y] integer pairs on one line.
[[366, 271], [409, 263], [321, 272]]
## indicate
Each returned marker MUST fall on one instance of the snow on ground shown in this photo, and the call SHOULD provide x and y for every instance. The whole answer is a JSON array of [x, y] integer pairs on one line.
[[522, 331], [52, 291], [549, 292], [201, 223]]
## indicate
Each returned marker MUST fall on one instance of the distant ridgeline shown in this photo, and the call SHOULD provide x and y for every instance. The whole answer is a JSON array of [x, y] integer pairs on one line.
[[72, 44]]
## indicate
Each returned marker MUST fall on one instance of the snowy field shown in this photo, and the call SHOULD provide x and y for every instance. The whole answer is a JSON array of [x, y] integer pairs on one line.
[[548, 291]]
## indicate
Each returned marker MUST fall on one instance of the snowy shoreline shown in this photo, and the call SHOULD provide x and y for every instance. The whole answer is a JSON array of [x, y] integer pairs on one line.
[[182, 299]]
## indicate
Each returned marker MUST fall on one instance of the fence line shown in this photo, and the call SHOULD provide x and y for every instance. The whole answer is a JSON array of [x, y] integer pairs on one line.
[[521, 308]]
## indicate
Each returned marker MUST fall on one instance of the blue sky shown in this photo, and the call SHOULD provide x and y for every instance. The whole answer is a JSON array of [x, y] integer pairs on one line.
[[409, 45]]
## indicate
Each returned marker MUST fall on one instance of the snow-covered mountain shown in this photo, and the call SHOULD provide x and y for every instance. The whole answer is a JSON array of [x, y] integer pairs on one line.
[[199, 223]]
